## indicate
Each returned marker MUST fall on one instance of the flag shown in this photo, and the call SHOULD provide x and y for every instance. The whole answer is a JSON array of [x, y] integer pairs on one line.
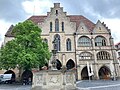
[[112, 67], [90, 69]]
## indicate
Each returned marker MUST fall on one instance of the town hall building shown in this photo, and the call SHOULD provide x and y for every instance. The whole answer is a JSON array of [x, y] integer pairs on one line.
[[78, 41]]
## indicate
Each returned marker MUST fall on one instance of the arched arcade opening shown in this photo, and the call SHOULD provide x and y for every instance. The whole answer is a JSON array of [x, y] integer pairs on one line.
[[27, 76], [70, 64], [104, 72], [59, 65], [13, 75], [84, 74]]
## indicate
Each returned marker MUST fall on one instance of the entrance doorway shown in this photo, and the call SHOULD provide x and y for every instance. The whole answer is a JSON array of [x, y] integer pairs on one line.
[[104, 72]]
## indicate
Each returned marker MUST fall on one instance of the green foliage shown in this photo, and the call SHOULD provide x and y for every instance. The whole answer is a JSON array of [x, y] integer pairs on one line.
[[27, 50]]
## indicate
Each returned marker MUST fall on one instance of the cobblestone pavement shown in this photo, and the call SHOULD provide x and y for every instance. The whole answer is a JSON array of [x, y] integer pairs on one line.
[[98, 85], [14, 87], [81, 85]]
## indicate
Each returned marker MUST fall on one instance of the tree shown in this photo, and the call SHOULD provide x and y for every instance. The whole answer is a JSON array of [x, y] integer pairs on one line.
[[27, 50]]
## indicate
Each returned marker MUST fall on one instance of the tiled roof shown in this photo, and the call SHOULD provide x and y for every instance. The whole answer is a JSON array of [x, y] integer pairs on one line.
[[73, 18], [37, 19], [79, 18]]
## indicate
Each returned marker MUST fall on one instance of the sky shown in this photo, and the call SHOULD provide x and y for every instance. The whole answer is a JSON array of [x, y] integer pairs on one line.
[[107, 11]]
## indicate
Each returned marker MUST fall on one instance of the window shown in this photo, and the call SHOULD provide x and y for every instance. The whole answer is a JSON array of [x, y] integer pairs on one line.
[[62, 26], [84, 41], [57, 42], [68, 44], [85, 56], [56, 25], [50, 26], [56, 12], [119, 54], [103, 55], [100, 41]]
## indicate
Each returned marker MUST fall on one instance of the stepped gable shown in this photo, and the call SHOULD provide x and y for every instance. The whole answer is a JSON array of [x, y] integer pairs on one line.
[[73, 18], [106, 27], [9, 32]]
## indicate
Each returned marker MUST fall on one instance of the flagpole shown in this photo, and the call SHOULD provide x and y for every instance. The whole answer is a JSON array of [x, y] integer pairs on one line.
[[88, 69]]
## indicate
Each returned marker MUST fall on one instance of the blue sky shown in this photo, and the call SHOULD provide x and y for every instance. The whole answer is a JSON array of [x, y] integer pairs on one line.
[[14, 11]]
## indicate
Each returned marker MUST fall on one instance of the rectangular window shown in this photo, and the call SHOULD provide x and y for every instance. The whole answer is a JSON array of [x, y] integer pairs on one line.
[[62, 26], [51, 26]]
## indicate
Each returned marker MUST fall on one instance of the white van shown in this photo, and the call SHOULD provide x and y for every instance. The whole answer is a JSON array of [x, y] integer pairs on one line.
[[5, 78]]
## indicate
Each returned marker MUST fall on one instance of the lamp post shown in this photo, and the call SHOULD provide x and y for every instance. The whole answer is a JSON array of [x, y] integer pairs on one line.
[[54, 52]]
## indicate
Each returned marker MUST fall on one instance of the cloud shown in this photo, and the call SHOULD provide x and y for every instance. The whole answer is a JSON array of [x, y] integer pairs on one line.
[[93, 9], [37, 7], [113, 24], [12, 10]]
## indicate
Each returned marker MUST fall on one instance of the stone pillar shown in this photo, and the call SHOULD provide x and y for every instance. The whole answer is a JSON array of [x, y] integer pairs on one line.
[[79, 72]]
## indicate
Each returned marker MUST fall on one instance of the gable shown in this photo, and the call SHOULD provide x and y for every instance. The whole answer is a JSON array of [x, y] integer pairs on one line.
[[82, 29], [100, 28]]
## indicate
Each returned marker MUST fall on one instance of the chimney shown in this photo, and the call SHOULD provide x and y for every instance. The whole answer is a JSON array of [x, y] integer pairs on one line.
[[56, 5]]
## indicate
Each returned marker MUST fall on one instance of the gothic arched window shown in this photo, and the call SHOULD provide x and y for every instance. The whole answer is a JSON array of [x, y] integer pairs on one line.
[[84, 41], [57, 42], [100, 41], [103, 55], [68, 44], [56, 25]]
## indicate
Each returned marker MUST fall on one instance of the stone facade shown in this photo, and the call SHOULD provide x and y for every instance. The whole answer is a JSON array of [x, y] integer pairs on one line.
[[79, 41]]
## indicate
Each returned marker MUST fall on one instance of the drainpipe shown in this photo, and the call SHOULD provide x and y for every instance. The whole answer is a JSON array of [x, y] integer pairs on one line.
[[75, 55]]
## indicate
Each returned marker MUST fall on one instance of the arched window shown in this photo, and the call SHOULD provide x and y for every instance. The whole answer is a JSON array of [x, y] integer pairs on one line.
[[45, 40], [57, 42], [70, 64], [62, 26], [103, 55], [56, 25], [51, 26], [100, 41], [85, 56], [68, 44], [84, 41]]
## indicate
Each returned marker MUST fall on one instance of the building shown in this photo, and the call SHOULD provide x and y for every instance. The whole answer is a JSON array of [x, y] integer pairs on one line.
[[78, 41], [118, 50]]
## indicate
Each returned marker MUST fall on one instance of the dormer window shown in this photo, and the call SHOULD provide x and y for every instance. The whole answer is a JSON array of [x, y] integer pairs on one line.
[[56, 12]]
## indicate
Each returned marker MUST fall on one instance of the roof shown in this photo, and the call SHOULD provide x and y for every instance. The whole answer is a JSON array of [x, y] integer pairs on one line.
[[73, 18], [9, 32], [79, 18]]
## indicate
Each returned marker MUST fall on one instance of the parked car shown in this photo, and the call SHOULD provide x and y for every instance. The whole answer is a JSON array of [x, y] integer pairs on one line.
[[5, 78]]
